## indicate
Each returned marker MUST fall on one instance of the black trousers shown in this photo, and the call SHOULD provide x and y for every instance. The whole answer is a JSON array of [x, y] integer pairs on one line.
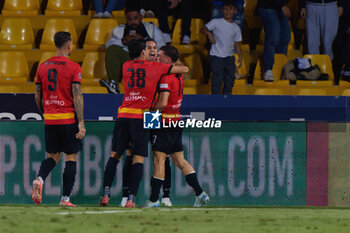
[[341, 51], [161, 11]]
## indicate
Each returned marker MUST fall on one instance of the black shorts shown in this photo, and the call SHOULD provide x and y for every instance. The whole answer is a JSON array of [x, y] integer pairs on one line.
[[126, 131], [61, 138], [168, 140]]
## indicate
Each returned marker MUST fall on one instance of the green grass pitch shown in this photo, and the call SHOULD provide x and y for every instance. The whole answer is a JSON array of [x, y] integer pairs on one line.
[[86, 219]]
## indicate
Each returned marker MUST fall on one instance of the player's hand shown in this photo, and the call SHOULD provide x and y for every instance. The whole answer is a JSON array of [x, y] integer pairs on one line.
[[340, 11], [82, 131], [211, 38], [173, 3], [286, 11], [303, 13]]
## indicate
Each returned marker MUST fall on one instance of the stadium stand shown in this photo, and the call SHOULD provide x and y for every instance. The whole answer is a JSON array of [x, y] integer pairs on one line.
[[64, 8], [16, 34], [54, 25], [93, 68], [268, 91], [13, 67], [99, 31], [21, 8]]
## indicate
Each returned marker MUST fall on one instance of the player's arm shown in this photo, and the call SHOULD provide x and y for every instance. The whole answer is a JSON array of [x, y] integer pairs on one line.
[[162, 100], [239, 52], [39, 97], [179, 69], [79, 109]]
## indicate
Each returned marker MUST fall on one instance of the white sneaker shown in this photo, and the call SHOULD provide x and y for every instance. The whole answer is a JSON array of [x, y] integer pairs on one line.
[[123, 202], [107, 15], [268, 76], [167, 37], [98, 15], [185, 40], [166, 202], [201, 199], [150, 204], [150, 14]]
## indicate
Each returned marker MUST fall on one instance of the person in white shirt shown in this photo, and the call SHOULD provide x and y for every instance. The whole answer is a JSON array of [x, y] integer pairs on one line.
[[225, 37]]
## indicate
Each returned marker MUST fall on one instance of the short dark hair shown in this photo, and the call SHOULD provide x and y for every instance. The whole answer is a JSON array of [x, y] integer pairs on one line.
[[150, 39], [135, 48], [131, 8], [229, 3], [61, 38], [171, 52]]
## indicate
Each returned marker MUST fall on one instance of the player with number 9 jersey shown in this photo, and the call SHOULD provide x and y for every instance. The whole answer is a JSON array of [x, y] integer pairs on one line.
[[56, 76]]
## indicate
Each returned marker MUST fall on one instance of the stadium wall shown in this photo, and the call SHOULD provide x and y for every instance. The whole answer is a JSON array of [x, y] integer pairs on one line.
[[243, 163]]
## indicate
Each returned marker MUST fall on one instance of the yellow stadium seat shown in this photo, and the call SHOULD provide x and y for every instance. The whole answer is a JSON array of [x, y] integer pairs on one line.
[[99, 31], [94, 68], [16, 34], [268, 91], [315, 83], [312, 91], [151, 20], [346, 92], [192, 82], [21, 8], [13, 67], [9, 89], [194, 62], [324, 63], [64, 8], [197, 38], [46, 55], [54, 25], [190, 91], [250, 7], [94, 89], [280, 61]]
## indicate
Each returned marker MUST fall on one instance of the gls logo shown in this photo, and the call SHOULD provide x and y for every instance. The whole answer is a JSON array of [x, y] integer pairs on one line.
[[151, 120]]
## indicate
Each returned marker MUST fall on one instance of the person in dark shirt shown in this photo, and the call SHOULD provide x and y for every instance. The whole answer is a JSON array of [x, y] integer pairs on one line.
[[342, 45], [322, 19], [274, 15]]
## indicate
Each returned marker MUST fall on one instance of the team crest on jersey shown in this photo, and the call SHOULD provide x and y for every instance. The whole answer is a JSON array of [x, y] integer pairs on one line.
[[151, 120]]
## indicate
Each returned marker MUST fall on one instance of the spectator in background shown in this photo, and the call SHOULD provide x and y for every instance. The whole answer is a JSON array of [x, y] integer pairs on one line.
[[274, 15], [107, 13], [238, 18], [322, 19], [162, 8], [116, 47], [342, 45], [225, 37]]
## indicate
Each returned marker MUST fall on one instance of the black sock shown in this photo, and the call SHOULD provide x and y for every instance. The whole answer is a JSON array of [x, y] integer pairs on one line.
[[110, 170], [155, 184], [192, 181], [127, 175], [167, 180], [46, 167], [136, 177], [69, 177]]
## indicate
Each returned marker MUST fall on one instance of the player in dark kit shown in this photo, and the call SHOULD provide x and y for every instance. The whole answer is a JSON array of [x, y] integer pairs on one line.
[[59, 98], [140, 83], [169, 140]]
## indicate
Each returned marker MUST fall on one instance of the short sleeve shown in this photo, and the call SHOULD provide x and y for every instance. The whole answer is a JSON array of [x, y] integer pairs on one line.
[[237, 37], [164, 84], [77, 74], [211, 25]]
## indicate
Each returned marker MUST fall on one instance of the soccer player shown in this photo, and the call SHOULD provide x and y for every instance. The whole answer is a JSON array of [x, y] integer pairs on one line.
[[151, 48], [140, 83], [169, 140], [59, 98]]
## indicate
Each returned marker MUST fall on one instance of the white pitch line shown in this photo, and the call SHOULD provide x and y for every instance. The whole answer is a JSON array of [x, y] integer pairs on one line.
[[132, 211]]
